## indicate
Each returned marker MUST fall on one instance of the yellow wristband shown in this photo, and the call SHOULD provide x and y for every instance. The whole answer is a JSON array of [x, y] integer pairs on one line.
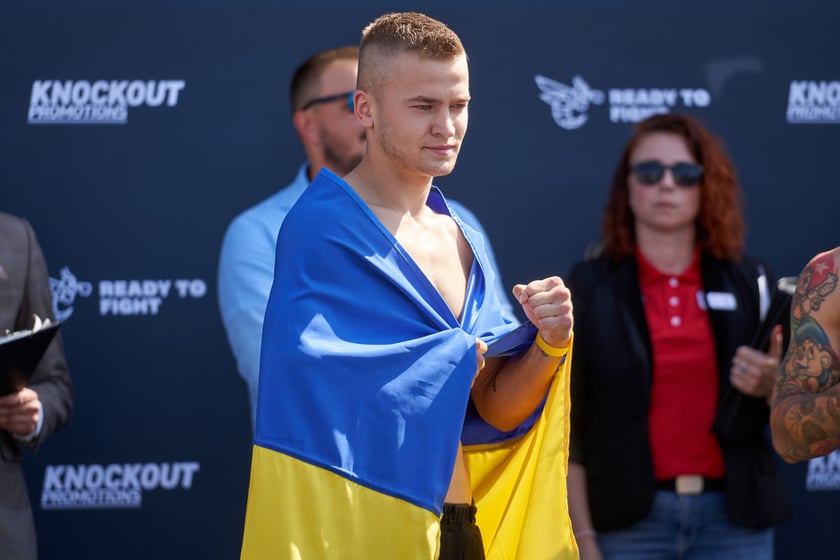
[[550, 350]]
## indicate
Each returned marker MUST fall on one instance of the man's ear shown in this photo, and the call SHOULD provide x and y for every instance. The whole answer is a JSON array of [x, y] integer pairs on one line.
[[305, 126], [364, 107]]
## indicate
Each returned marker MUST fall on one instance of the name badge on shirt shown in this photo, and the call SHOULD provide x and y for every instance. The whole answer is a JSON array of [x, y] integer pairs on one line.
[[721, 301]]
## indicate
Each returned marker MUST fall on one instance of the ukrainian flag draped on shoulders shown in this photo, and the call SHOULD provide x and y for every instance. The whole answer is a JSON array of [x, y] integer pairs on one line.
[[365, 376]]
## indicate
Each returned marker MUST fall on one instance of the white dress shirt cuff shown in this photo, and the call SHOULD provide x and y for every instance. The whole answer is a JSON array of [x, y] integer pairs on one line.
[[34, 433]]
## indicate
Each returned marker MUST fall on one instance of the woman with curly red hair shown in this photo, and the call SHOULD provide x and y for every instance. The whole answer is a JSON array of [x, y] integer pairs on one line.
[[669, 457]]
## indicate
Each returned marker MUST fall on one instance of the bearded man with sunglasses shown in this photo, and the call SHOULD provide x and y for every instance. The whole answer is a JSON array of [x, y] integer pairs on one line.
[[321, 96], [669, 457]]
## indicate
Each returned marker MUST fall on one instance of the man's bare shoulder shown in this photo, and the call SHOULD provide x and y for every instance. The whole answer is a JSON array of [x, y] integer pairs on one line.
[[830, 259], [817, 292]]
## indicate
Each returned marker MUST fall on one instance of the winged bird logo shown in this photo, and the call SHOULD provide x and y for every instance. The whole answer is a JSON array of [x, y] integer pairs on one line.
[[64, 292], [568, 103]]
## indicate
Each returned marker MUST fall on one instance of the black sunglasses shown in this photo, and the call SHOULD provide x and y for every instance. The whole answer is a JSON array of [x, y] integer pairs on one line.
[[348, 95], [651, 172]]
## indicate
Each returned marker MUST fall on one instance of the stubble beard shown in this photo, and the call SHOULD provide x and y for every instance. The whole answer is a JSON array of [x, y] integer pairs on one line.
[[416, 165]]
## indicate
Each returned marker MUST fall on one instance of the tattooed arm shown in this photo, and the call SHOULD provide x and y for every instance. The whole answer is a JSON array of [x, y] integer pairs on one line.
[[805, 412]]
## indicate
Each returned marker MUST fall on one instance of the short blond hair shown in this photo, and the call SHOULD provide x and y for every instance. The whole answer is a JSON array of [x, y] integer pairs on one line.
[[394, 33]]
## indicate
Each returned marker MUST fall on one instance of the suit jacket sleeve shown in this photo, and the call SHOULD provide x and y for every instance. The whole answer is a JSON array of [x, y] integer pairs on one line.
[[51, 379]]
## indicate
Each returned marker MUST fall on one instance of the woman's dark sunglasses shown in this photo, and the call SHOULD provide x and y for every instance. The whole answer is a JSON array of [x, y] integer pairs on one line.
[[651, 172]]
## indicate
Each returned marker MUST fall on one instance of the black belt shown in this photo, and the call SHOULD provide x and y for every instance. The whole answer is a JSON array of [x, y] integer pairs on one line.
[[692, 484]]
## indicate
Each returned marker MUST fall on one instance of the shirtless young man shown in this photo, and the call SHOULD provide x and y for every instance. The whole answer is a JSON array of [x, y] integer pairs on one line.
[[373, 332], [805, 412], [413, 100]]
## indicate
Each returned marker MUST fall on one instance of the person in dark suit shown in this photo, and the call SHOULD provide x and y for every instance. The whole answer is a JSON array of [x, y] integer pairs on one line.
[[805, 415], [31, 414], [668, 456]]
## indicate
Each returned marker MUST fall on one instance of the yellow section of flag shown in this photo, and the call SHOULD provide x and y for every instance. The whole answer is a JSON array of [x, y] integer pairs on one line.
[[286, 495], [520, 486]]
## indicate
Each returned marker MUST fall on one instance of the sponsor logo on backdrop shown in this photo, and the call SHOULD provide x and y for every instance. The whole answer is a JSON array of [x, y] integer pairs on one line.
[[570, 104], [64, 291], [813, 102], [99, 101], [122, 297], [144, 297], [112, 486], [824, 472]]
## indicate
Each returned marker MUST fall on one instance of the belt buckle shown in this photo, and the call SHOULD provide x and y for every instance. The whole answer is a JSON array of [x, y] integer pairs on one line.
[[689, 484]]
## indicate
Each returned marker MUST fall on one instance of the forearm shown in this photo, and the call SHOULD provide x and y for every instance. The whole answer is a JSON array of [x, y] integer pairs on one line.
[[806, 425], [805, 412], [508, 392], [585, 534], [578, 501]]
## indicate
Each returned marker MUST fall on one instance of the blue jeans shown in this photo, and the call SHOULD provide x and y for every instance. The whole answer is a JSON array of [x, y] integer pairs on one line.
[[687, 528]]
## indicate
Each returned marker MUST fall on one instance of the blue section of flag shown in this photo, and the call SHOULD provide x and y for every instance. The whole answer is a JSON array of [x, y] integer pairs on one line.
[[364, 369]]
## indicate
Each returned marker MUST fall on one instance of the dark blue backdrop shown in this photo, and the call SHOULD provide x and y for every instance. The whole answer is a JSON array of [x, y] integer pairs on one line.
[[135, 211]]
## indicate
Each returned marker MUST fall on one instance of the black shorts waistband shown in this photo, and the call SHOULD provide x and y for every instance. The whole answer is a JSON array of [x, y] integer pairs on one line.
[[458, 514]]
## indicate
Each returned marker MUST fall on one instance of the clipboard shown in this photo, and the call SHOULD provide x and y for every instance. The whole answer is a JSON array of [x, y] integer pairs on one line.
[[20, 353]]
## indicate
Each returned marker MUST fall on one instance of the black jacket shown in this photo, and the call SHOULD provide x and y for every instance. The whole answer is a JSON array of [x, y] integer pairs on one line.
[[611, 383]]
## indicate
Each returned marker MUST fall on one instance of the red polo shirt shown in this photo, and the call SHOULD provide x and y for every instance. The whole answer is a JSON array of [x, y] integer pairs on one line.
[[684, 392]]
